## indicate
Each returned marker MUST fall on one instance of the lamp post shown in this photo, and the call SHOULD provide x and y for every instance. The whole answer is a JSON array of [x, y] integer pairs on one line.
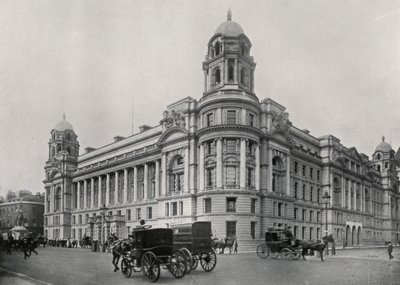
[[325, 200]]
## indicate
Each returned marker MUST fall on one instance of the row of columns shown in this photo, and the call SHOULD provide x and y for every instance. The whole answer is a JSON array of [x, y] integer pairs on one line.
[[116, 187], [219, 165], [352, 203]]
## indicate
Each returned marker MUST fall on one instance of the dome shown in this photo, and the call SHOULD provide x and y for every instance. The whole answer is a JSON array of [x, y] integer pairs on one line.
[[383, 146], [63, 126], [229, 28]]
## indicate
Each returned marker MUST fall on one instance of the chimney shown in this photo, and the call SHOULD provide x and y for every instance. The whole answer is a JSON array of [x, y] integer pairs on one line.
[[89, 149], [118, 138], [143, 128]]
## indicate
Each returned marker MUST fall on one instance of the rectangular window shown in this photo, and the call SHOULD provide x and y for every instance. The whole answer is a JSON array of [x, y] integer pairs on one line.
[[303, 215], [128, 214], [296, 186], [210, 147], [149, 213], [311, 215], [231, 204], [303, 232], [73, 220], [304, 170], [119, 212], [207, 205], [180, 208], [230, 228], [231, 117], [231, 175], [250, 177], [279, 209], [318, 217], [318, 233], [253, 230], [80, 219], [295, 231], [311, 172], [304, 192], [318, 174], [138, 214], [295, 213], [251, 120], [210, 119], [210, 176], [166, 209], [174, 208], [311, 233], [296, 166], [253, 206], [311, 193]]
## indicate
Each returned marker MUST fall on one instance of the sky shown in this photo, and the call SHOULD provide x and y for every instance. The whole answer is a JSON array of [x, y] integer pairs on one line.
[[112, 66]]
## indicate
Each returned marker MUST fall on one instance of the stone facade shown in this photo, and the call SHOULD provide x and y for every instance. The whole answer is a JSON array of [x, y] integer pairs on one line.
[[228, 158]]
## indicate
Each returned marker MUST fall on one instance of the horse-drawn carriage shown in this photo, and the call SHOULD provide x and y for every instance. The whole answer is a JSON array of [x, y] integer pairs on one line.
[[151, 249], [278, 244], [195, 238]]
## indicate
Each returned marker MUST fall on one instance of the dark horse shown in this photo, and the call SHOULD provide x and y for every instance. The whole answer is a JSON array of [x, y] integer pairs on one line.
[[118, 248], [309, 245], [86, 241], [221, 244]]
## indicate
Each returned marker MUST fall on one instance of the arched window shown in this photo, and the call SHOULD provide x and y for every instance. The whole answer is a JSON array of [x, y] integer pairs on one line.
[[57, 198], [337, 192], [53, 151], [217, 48], [278, 174], [217, 76], [69, 150]]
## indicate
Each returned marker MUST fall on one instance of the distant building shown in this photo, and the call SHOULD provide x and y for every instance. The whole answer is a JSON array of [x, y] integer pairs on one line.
[[27, 210], [228, 158]]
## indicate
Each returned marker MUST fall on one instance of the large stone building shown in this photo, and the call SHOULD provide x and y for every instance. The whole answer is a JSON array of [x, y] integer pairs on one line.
[[22, 209], [228, 158]]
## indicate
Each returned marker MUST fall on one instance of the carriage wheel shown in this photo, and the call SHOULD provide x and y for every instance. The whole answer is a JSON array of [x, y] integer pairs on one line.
[[263, 251], [150, 266], [195, 262], [126, 268], [178, 264], [296, 254], [189, 260], [208, 260], [285, 253]]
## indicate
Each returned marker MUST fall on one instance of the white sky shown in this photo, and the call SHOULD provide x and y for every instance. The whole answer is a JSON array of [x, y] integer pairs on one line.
[[335, 66]]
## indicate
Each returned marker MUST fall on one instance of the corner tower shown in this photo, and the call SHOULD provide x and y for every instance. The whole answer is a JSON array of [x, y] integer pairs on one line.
[[228, 63], [60, 166]]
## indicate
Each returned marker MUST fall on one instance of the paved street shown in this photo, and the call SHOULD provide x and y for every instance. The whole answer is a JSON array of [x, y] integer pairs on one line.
[[80, 266]]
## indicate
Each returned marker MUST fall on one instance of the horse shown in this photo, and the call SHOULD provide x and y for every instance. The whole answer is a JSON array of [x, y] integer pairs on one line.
[[118, 248], [318, 246], [220, 245], [85, 242]]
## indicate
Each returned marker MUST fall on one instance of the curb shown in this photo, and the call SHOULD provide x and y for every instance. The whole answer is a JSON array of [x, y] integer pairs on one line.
[[23, 276]]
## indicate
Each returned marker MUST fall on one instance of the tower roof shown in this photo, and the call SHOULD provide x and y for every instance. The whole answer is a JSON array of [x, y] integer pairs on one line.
[[383, 146], [229, 28], [63, 126]]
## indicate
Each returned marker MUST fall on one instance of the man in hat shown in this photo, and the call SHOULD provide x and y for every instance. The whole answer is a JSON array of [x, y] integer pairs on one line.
[[390, 250]]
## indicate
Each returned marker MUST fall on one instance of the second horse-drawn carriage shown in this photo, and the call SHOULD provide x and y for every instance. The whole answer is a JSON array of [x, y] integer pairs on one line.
[[278, 243], [150, 250], [195, 238]]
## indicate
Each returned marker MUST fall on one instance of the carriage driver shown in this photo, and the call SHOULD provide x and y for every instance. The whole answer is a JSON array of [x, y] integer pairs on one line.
[[288, 235]]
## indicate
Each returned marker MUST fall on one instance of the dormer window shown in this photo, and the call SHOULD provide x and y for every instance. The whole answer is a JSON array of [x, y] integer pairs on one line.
[[378, 156], [231, 70], [243, 50], [217, 48]]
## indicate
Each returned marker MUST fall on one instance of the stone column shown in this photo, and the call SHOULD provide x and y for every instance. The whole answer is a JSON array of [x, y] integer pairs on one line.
[[78, 188], [235, 73], [92, 193], [219, 163], [45, 199], [146, 181], [269, 170], [99, 193], [116, 177], [85, 194], [257, 169], [186, 170], [125, 191], [288, 175], [201, 167], [135, 183], [164, 174], [157, 178], [108, 190], [62, 198], [349, 198], [242, 177], [343, 192]]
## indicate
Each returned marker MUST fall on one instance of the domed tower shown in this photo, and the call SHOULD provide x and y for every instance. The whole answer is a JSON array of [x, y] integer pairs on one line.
[[383, 158], [229, 135], [228, 63], [59, 169]]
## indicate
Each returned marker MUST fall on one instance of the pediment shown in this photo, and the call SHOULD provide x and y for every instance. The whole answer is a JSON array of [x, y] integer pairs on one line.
[[173, 134], [353, 153]]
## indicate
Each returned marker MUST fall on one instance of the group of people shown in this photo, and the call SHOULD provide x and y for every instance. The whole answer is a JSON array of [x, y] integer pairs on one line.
[[27, 244]]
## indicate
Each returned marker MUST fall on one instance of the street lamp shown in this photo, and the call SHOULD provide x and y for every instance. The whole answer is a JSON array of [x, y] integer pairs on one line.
[[325, 200]]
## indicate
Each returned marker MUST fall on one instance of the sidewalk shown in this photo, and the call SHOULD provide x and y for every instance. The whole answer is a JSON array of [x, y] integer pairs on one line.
[[14, 278]]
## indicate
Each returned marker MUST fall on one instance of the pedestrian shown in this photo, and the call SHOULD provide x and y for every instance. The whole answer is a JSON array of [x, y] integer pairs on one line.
[[10, 243], [25, 247], [390, 250], [236, 246], [32, 246]]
